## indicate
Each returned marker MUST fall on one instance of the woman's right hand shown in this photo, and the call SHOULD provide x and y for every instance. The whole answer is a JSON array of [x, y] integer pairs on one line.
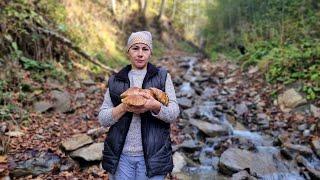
[[134, 109]]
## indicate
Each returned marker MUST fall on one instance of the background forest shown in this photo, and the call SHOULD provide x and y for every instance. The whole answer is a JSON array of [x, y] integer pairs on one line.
[[53, 44]]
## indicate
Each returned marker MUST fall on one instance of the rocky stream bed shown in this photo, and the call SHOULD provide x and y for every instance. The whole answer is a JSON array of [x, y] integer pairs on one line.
[[229, 128]]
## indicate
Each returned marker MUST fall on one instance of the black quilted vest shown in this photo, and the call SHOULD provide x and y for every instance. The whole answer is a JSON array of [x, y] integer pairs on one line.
[[155, 133]]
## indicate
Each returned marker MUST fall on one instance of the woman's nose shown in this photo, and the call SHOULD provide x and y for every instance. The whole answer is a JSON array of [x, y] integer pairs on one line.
[[140, 52]]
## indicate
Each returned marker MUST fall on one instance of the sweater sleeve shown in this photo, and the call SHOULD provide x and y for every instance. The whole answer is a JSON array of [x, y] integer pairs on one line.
[[171, 112], [105, 115]]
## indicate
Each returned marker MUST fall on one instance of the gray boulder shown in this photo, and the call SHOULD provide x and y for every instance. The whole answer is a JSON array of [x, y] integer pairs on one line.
[[259, 164], [76, 141], [210, 129], [290, 99], [92, 152]]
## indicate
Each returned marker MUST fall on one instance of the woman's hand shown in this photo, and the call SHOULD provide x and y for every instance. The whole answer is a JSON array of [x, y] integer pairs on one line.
[[151, 104], [135, 109]]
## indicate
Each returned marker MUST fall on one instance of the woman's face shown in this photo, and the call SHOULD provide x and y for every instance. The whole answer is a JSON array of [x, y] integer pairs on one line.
[[139, 55]]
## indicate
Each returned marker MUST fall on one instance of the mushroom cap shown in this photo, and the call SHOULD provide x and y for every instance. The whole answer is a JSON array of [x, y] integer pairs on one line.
[[160, 96], [131, 91], [138, 99], [134, 100]]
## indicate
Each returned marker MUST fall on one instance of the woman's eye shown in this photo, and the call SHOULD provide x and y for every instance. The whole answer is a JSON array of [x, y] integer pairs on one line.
[[135, 48], [145, 49]]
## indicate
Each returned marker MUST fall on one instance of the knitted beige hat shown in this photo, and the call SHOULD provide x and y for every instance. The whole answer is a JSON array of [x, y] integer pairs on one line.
[[144, 37]]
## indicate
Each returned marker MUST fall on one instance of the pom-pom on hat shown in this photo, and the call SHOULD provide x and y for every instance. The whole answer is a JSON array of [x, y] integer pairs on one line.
[[144, 37]]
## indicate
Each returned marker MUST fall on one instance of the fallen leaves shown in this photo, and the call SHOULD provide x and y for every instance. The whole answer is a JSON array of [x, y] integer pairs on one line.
[[3, 166]]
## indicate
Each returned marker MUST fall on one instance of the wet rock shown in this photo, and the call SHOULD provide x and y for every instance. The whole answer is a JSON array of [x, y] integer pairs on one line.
[[178, 162], [68, 164], [315, 110], [42, 162], [42, 106], [186, 90], [313, 127], [221, 74], [190, 161], [233, 121], [2, 151], [280, 124], [92, 90], [76, 141], [315, 144], [97, 132], [263, 120], [306, 133], [201, 79], [290, 99], [206, 110], [205, 156], [224, 92], [88, 82], [230, 80], [184, 102], [3, 127], [62, 101], [241, 109], [94, 155], [76, 85], [14, 133], [215, 162], [259, 164], [315, 173], [242, 175], [210, 129], [302, 127], [305, 150], [287, 154], [209, 93], [189, 145], [54, 84], [80, 97], [189, 113]]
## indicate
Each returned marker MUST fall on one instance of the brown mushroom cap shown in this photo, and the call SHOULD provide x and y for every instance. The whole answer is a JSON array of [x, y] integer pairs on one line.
[[134, 100], [131, 91], [160, 96], [133, 96]]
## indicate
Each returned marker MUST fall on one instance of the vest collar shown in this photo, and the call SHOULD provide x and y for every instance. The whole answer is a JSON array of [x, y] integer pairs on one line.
[[123, 73]]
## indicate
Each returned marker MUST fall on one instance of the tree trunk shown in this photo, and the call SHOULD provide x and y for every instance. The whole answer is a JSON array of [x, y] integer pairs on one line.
[[140, 5], [113, 3], [161, 9], [173, 9], [144, 7]]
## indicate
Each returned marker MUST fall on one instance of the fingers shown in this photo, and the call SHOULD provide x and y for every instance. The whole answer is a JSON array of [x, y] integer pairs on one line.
[[135, 109], [146, 95]]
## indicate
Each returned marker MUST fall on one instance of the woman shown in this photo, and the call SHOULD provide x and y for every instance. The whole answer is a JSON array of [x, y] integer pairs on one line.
[[138, 143]]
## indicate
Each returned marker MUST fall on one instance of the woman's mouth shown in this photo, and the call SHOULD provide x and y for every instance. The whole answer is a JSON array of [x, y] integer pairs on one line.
[[139, 61]]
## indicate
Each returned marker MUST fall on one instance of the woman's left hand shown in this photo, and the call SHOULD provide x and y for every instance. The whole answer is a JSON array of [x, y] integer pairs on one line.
[[151, 104]]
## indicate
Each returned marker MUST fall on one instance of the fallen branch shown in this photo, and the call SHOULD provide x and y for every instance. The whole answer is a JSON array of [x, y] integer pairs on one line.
[[72, 46]]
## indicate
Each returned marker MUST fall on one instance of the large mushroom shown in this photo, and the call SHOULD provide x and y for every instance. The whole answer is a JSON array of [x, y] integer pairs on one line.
[[133, 96]]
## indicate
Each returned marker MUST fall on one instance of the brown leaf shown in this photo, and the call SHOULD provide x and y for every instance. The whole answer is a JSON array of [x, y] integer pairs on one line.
[[3, 159]]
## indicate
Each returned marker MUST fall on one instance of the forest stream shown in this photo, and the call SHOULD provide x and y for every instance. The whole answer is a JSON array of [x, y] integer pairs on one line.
[[226, 129]]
